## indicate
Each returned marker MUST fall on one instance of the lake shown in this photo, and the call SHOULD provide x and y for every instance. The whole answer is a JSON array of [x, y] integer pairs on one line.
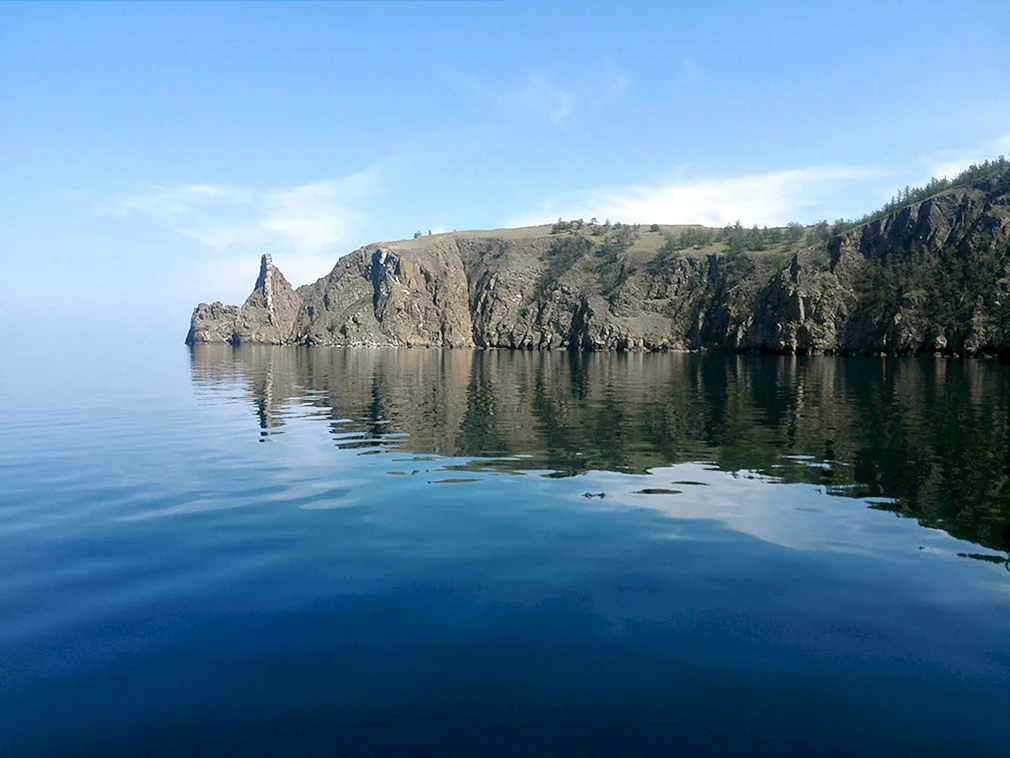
[[291, 551]]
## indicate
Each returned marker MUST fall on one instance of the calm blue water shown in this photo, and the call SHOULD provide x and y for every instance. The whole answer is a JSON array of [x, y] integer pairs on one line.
[[375, 552]]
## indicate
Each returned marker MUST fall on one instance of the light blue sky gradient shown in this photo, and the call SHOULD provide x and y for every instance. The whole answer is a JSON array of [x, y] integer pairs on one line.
[[150, 152]]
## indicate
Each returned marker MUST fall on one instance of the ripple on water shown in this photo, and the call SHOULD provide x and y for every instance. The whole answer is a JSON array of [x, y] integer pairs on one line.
[[836, 556]]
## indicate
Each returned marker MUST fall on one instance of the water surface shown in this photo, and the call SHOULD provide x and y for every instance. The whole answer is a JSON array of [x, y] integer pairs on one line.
[[340, 551]]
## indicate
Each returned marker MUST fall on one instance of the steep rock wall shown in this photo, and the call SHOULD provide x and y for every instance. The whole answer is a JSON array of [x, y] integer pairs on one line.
[[933, 276]]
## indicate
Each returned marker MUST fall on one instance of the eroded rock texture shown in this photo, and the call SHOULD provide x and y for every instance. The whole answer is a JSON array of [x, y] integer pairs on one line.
[[932, 276]]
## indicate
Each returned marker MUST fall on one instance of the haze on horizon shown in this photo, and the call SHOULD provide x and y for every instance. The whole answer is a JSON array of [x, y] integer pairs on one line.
[[152, 152]]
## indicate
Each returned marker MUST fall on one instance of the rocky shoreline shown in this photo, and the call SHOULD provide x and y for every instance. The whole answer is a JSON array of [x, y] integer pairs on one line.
[[931, 277]]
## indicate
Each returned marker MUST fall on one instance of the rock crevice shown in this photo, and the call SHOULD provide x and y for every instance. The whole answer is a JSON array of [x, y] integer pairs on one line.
[[932, 276]]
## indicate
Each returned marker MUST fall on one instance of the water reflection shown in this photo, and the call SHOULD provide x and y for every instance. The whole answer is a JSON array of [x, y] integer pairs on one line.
[[927, 438]]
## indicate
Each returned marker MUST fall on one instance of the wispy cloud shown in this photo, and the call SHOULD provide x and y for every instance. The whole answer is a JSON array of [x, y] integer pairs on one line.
[[770, 198], [950, 163], [535, 95], [309, 217], [303, 226], [542, 96]]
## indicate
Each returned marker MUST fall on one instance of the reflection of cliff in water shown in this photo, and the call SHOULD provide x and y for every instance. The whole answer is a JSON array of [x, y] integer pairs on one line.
[[927, 437]]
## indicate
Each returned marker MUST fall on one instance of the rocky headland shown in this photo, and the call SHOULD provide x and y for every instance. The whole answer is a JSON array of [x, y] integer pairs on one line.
[[929, 276]]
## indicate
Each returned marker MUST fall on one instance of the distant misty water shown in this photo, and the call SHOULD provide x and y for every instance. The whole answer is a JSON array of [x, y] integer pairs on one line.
[[289, 551]]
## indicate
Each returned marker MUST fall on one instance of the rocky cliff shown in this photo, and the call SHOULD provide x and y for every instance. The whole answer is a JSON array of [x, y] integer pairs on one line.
[[930, 276]]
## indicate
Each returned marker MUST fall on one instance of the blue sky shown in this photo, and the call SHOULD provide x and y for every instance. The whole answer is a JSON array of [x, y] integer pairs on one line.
[[150, 152]]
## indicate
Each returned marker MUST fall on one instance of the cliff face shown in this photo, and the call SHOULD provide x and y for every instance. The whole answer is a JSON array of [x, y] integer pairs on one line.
[[932, 276]]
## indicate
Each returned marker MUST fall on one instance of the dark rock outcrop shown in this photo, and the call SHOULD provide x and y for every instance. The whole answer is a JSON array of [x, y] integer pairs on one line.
[[267, 317], [932, 276]]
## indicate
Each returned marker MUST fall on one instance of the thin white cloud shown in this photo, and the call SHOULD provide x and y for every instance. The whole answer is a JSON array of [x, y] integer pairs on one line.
[[302, 219], [544, 97], [771, 198], [950, 163]]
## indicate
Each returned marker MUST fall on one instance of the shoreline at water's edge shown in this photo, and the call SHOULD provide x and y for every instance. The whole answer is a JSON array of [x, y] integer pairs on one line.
[[1002, 355]]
